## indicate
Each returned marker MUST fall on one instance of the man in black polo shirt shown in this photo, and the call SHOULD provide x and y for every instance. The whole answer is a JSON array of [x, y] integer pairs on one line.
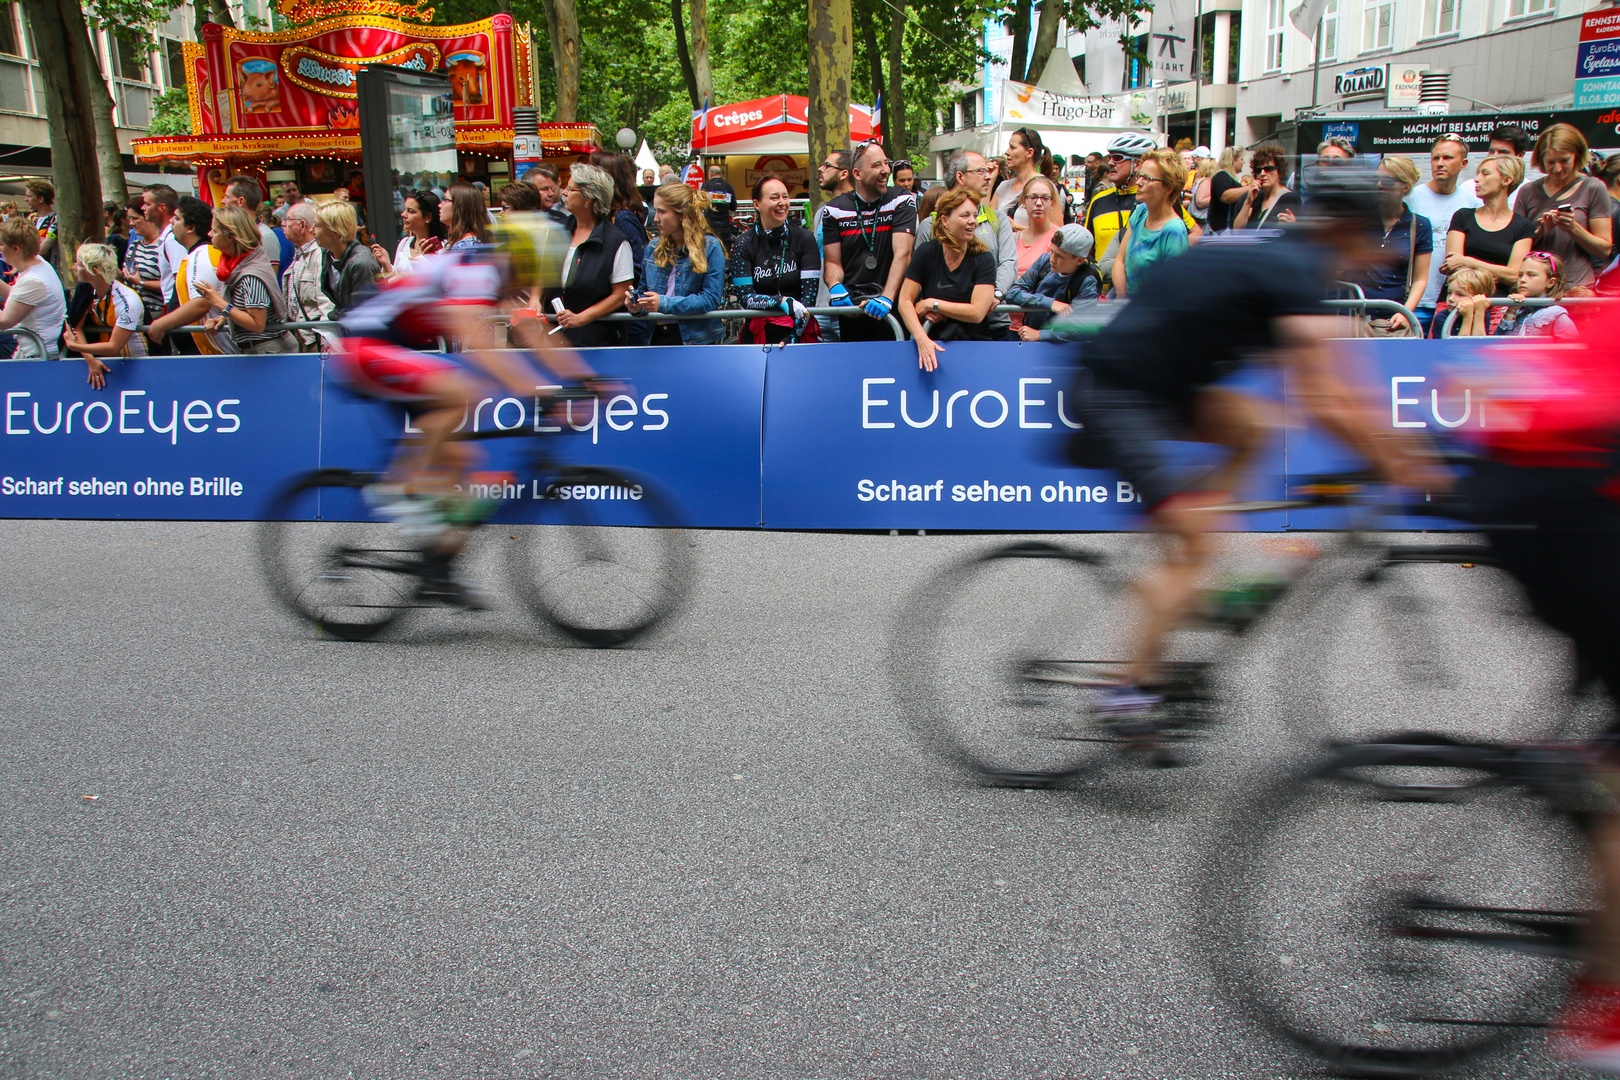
[[868, 234]]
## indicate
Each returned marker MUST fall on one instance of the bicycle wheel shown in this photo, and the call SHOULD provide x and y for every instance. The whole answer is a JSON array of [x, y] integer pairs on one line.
[[607, 562], [1433, 638], [329, 562], [994, 657], [1397, 909]]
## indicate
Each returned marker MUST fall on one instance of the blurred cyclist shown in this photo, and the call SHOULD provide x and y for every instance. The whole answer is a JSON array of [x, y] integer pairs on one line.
[[454, 297], [1141, 387], [1548, 499]]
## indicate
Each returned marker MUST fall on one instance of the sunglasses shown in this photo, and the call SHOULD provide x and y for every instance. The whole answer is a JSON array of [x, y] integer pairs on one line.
[[1388, 182], [1267, 168], [1115, 159]]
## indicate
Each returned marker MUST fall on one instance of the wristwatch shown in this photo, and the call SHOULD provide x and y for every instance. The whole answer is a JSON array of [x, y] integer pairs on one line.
[[936, 307]]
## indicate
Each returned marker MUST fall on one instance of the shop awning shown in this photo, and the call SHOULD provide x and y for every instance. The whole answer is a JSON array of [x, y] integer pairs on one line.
[[772, 125], [556, 140]]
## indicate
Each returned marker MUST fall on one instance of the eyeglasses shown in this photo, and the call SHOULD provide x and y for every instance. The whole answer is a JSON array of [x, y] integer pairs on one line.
[[1142, 177], [1388, 182], [833, 167], [1267, 168], [1037, 198]]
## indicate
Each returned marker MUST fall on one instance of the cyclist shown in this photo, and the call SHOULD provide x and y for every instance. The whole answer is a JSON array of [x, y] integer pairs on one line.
[[1141, 387], [1110, 209], [1548, 499], [453, 296]]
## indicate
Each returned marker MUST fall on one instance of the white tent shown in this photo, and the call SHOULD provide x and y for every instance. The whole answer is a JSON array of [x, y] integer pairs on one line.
[[645, 159]]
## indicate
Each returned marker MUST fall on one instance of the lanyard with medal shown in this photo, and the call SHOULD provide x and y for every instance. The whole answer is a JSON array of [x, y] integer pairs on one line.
[[871, 260]]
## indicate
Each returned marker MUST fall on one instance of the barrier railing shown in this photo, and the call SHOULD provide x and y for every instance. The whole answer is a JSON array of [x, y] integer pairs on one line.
[[1450, 323], [1394, 307], [24, 332]]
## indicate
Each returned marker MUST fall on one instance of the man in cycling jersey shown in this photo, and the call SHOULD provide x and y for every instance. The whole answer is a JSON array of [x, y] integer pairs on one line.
[[452, 297], [1110, 209], [1142, 388]]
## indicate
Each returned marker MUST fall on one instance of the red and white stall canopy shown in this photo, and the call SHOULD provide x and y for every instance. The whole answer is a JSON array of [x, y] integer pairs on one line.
[[771, 125]]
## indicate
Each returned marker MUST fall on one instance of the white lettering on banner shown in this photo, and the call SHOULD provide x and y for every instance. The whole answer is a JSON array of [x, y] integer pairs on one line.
[[1062, 492], [898, 491], [194, 416], [1124, 492], [980, 407], [734, 119], [988, 492], [1400, 419], [620, 406], [202, 486]]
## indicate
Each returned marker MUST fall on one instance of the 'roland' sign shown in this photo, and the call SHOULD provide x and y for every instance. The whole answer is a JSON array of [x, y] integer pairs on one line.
[[1367, 80]]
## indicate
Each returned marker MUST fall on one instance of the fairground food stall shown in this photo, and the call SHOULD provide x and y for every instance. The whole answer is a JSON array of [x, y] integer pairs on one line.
[[283, 106], [766, 135]]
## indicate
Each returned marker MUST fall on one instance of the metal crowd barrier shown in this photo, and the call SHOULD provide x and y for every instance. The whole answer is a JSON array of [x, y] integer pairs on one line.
[[1394, 307], [24, 332], [1534, 302]]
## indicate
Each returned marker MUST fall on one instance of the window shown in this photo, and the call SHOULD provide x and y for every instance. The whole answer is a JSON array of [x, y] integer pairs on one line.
[[1378, 32], [175, 57], [1330, 31], [970, 111], [132, 59], [1137, 69], [1518, 8], [1440, 17], [1275, 17], [10, 39]]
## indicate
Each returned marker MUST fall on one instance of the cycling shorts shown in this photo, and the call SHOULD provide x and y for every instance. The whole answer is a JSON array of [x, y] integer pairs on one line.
[[1130, 432], [382, 369]]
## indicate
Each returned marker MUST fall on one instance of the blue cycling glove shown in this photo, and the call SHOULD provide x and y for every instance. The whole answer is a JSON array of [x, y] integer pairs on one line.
[[838, 296], [878, 307]]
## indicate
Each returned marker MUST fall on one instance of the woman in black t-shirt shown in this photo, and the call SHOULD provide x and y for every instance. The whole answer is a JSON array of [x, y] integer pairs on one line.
[[1492, 237], [950, 285]]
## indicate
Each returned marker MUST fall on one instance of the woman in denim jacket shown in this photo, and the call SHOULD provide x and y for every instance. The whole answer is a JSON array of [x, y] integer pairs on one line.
[[1057, 280], [685, 273]]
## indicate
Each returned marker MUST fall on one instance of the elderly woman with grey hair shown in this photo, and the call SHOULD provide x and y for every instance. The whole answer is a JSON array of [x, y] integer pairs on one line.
[[599, 266]]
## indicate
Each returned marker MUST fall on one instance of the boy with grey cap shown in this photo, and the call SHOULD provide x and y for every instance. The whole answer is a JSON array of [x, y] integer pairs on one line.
[[1061, 278]]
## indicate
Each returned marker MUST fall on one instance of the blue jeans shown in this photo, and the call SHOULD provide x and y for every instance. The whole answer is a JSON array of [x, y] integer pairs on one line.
[[1425, 318]]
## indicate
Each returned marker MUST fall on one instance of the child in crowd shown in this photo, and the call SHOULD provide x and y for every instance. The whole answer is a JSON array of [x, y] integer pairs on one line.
[[1059, 279], [1539, 275], [1469, 291]]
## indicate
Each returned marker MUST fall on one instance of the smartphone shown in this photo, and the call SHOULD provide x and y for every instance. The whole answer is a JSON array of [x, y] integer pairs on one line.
[[1566, 208]]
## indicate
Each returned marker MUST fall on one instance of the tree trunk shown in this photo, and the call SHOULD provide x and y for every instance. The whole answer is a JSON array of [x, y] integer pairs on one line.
[[1046, 34], [220, 12], [874, 59], [1020, 39], [894, 102], [684, 55], [702, 71], [73, 132], [832, 63], [109, 159], [562, 27]]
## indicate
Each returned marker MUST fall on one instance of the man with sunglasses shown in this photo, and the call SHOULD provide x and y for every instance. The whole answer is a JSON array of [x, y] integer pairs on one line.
[[1110, 208], [867, 236], [832, 176]]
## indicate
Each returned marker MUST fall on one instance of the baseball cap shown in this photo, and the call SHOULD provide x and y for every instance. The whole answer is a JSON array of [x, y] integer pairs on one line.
[[1074, 240], [1201, 151]]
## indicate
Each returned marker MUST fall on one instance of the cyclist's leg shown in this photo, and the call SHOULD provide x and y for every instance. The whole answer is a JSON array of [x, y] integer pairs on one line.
[[437, 391]]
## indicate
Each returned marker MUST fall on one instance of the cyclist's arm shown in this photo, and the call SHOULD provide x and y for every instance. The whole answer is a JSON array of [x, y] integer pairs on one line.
[[1329, 399]]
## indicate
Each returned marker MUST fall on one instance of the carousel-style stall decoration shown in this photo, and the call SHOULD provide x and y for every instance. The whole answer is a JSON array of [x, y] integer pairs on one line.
[[283, 105]]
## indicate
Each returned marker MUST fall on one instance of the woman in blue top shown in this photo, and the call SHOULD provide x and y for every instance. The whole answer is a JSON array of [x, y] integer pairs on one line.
[[685, 273], [1155, 231]]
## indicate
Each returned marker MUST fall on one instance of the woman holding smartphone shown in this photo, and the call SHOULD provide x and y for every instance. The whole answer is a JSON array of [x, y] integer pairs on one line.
[[1572, 212]]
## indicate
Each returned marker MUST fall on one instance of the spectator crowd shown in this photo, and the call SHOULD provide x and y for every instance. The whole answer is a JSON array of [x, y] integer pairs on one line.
[[176, 275]]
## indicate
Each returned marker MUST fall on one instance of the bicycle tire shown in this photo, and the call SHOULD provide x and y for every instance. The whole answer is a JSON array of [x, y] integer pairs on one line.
[[1314, 938], [1399, 636], [350, 578], [606, 567], [981, 652]]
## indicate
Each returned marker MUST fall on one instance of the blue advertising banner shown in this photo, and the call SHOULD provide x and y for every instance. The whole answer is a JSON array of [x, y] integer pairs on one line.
[[863, 440], [215, 437], [813, 436]]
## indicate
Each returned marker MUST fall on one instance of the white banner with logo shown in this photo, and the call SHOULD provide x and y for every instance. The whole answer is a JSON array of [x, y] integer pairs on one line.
[[1022, 103]]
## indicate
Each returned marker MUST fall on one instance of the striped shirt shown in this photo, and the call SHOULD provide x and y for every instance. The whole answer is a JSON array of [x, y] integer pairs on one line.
[[249, 292], [141, 259]]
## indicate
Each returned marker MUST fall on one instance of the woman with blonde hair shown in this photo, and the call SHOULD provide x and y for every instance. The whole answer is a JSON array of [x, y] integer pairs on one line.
[[1227, 188], [34, 300], [950, 284], [1572, 213], [249, 306], [1491, 237], [685, 273], [348, 269], [112, 317], [1155, 231], [1199, 194], [1406, 243]]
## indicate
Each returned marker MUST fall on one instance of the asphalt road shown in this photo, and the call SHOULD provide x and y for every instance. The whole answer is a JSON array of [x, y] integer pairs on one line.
[[229, 849]]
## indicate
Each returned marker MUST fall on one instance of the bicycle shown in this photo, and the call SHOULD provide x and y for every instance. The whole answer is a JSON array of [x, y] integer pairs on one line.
[[1406, 905], [997, 655], [331, 561]]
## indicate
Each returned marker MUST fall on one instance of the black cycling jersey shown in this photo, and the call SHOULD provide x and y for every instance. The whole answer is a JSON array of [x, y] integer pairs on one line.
[[1198, 317], [766, 266]]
